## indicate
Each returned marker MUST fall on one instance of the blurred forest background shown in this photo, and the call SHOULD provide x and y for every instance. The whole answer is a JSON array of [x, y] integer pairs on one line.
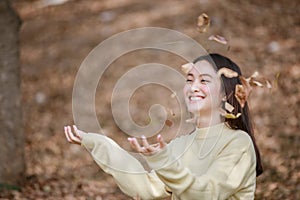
[[55, 37]]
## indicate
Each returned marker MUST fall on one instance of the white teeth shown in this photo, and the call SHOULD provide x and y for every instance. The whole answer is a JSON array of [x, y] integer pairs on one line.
[[196, 98]]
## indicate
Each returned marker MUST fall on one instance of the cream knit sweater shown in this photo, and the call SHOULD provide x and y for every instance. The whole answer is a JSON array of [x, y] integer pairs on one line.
[[211, 163]]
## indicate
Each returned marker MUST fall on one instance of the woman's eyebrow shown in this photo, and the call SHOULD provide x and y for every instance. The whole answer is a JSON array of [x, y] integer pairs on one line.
[[190, 74], [206, 75]]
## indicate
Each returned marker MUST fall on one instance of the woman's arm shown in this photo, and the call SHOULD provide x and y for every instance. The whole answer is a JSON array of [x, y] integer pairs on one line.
[[233, 170], [127, 171]]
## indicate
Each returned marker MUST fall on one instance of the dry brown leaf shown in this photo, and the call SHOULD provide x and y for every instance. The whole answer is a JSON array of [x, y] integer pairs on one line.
[[254, 75], [229, 107], [268, 84], [256, 83], [218, 38], [229, 115], [232, 116], [187, 67], [252, 82], [276, 79], [227, 72], [240, 94], [203, 23]]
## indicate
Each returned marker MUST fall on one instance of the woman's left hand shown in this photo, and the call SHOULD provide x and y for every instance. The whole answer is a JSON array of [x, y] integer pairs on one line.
[[146, 148], [74, 137]]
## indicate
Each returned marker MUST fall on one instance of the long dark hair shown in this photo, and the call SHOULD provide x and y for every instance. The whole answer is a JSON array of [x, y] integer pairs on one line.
[[244, 121]]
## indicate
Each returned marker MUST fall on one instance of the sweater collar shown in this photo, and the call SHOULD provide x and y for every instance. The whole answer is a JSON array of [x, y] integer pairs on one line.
[[211, 131]]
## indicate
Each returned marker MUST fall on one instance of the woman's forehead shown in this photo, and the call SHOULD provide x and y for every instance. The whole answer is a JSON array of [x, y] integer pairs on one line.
[[203, 67]]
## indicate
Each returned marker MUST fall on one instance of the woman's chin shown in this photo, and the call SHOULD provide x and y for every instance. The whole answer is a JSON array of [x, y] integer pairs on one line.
[[194, 111]]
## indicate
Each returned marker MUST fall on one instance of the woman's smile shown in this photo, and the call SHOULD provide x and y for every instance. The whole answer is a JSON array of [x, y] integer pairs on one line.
[[195, 98]]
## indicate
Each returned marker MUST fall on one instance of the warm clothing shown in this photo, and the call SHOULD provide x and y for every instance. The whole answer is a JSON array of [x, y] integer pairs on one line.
[[211, 163]]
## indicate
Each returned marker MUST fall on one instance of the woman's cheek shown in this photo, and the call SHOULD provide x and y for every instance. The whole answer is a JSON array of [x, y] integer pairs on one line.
[[204, 88]]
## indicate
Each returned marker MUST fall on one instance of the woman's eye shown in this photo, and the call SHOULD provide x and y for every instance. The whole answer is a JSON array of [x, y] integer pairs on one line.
[[204, 81], [189, 80]]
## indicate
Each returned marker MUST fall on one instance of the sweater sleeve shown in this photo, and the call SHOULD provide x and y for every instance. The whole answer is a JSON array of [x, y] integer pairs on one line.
[[127, 171], [232, 170]]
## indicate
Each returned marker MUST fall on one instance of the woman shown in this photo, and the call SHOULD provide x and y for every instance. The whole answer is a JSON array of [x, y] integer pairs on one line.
[[219, 160]]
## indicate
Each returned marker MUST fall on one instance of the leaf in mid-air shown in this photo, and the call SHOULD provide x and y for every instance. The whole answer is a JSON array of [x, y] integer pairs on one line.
[[203, 23]]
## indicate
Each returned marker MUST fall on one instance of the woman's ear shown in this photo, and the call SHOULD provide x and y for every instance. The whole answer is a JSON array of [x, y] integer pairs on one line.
[[224, 98]]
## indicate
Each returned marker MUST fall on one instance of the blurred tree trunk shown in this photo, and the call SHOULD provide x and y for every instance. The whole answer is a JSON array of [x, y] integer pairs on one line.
[[12, 163]]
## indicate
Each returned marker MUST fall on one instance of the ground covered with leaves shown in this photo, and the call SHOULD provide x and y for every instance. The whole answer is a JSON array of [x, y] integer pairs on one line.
[[54, 39]]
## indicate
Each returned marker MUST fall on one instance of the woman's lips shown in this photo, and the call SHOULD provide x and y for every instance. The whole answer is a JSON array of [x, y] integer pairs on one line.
[[196, 98]]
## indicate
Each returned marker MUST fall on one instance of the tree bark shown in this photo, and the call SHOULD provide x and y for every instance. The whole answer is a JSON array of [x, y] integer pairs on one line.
[[12, 162]]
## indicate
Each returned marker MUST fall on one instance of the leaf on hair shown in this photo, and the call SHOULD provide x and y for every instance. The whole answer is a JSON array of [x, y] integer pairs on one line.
[[227, 115], [227, 72], [229, 107], [241, 94], [232, 116]]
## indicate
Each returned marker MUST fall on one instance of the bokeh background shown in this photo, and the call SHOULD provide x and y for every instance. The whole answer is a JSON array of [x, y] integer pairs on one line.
[[56, 36]]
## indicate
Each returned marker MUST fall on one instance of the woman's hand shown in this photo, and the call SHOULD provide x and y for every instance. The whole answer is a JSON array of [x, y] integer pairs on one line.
[[76, 137], [146, 148]]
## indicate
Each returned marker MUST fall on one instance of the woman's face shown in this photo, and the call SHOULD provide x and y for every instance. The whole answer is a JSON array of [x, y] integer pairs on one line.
[[202, 90]]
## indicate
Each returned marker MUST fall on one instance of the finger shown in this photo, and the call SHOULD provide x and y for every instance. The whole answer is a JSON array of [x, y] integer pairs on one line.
[[76, 131], [74, 139], [135, 145], [145, 142], [152, 148], [66, 134], [161, 141]]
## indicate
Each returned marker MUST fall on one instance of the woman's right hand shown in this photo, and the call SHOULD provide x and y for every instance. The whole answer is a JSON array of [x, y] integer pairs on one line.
[[76, 137]]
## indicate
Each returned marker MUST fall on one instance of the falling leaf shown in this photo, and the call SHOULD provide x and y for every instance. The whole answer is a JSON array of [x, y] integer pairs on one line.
[[256, 83], [252, 82], [203, 23], [228, 48], [229, 107], [276, 79], [218, 38], [227, 72], [168, 123], [254, 75], [187, 67], [243, 91], [268, 84]]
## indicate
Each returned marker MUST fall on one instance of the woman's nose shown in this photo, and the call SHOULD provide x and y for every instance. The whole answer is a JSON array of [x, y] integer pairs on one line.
[[195, 86]]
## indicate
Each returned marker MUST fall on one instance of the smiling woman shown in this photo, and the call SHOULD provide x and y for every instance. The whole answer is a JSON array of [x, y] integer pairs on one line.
[[203, 95], [218, 160]]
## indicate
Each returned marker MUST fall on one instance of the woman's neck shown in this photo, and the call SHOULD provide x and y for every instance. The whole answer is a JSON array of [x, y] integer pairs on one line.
[[207, 119]]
